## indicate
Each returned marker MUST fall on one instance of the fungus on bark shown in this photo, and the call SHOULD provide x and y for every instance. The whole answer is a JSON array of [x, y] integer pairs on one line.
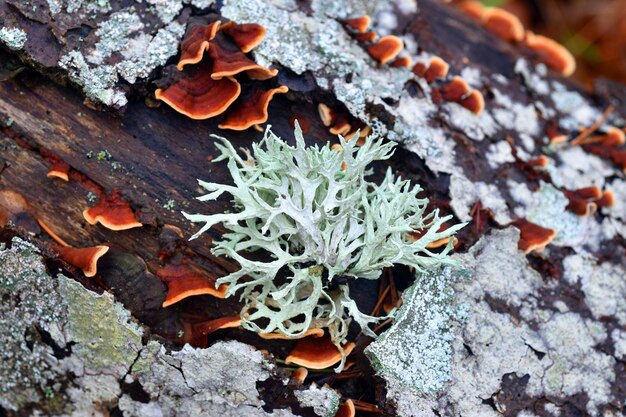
[[198, 95], [419, 69], [298, 376], [86, 259], [551, 53], [346, 409], [58, 167], [503, 24], [317, 353], [386, 49], [196, 42], [246, 35], [532, 236], [367, 37], [184, 281], [402, 62], [474, 102], [207, 327], [358, 24], [112, 212], [228, 60], [437, 68], [252, 109], [473, 9], [455, 90], [317, 332]]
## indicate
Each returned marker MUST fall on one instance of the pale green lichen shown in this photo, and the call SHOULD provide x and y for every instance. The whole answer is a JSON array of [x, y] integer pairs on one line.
[[313, 211], [90, 7], [14, 38], [98, 83], [126, 47]]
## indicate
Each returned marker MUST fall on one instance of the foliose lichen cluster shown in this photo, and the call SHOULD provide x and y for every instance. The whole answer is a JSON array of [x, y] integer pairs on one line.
[[312, 210]]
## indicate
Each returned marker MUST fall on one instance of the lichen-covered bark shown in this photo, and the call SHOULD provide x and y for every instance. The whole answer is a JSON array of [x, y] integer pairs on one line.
[[514, 334], [69, 351]]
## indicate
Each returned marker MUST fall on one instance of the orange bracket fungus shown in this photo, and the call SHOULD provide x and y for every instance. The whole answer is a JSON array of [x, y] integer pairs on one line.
[[473, 9], [474, 102], [317, 353], [316, 332], [607, 199], [402, 61], [298, 376], [583, 200], [367, 37], [503, 24], [612, 137], [358, 24], [85, 259], [196, 42], [532, 236], [58, 167], [614, 153], [183, 281], [247, 35], [251, 111], [386, 49], [207, 327], [455, 90], [200, 96], [539, 162], [346, 409], [209, 87], [419, 69], [112, 212], [551, 53], [437, 68], [228, 60]]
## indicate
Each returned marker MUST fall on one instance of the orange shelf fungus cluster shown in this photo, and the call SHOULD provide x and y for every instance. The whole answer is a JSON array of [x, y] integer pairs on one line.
[[508, 27], [208, 86], [184, 281], [436, 68], [343, 123], [585, 201], [112, 212], [385, 50], [317, 353], [456, 90], [532, 236]]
